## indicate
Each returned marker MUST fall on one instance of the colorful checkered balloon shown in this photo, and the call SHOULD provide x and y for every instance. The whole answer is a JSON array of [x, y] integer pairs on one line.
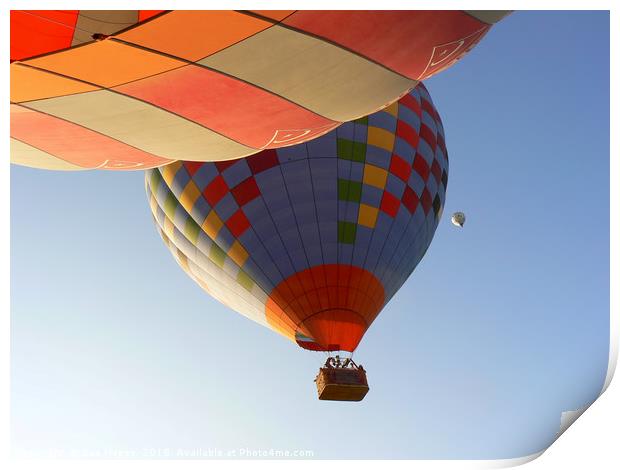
[[311, 240]]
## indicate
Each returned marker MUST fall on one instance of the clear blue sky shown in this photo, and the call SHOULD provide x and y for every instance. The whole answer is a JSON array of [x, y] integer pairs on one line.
[[504, 324]]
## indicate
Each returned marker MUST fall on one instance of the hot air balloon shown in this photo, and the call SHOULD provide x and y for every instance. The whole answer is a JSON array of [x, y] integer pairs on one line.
[[311, 240], [458, 219], [123, 90]]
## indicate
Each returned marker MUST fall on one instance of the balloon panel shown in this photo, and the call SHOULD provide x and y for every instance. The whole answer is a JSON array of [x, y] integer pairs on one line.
[[219, 85], [312, 240], [36, 32]]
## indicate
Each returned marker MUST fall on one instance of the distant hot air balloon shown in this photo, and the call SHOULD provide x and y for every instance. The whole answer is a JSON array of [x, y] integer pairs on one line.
[[458, 219], [123, 90], [311, 240]]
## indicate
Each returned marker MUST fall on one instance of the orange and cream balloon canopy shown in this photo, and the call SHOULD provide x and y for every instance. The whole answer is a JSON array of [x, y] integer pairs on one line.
[[126, 90]]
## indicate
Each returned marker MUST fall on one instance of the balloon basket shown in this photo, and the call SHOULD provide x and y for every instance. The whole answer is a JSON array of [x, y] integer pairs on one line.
[[341, 381]]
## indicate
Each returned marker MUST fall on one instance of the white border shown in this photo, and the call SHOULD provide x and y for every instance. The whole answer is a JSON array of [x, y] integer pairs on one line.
[[592, 443]]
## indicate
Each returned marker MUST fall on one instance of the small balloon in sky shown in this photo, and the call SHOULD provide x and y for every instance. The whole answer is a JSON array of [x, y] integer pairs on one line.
[[458, 219]]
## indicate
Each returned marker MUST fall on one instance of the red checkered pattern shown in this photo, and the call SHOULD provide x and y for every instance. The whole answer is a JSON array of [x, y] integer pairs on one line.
[[426, 200], [221, 166], [401, 168], [263, 161], [389, 204], [246, 191], [410, 200], [238, 223], [215, 190], [407, 133], [438, 168], [421, 167], [243, 193], [436, 171], [192, 167], [411, 103]]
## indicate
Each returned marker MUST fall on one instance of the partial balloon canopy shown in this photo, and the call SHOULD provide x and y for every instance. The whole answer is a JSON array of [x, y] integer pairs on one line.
[[311, 240], [124, 90], [37, 32]]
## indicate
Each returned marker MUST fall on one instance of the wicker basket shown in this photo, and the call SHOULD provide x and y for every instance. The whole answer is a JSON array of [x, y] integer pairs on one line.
[[341, 384]]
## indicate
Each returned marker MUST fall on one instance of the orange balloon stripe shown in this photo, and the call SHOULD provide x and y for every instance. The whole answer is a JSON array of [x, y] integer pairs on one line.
[[106, 63], [328, 304], [194, 34], [30, 84]]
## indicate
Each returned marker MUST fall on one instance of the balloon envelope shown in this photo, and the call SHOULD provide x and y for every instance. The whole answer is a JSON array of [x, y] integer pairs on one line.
[[458, 219], [311, 240], [212, 85]]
